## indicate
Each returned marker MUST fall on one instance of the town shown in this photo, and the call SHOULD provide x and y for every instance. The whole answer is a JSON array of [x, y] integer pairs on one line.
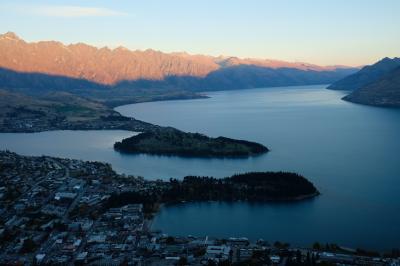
[[56, 211], [28, 119]]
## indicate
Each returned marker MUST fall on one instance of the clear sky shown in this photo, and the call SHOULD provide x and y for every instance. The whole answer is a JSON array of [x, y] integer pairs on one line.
[[325, 32]]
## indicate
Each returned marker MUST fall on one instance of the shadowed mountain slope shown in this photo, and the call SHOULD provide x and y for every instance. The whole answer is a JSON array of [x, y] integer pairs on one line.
[[366, 75], [383, 92], [123, 68]]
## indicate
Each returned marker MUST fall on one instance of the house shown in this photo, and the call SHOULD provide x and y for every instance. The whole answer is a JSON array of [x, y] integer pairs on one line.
[[39, 258], [275, 259], [218, 252], [97, 239], [65, 196], [81, 257], [238, 242], [245, 254]]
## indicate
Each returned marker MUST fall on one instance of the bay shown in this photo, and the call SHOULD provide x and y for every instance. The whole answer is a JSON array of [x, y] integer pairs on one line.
[[349, 151]]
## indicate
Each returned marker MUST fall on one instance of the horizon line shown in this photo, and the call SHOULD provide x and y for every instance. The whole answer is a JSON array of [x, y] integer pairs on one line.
[[121, 46]]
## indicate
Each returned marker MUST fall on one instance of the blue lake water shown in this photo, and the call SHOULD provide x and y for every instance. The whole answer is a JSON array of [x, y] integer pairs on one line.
[[349, 151]]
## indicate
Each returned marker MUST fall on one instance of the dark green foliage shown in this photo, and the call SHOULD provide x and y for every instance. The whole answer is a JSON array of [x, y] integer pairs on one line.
[[9, 235], [258, 186], [199, 252], [395, 253], [115, 117], [332, 247], [28, 246], [183, 261], [255, 187], [280, 245], [121, 199], [367, 253], [174, 142], [317, 246], [170, 240], [224, 263], [296, 258]]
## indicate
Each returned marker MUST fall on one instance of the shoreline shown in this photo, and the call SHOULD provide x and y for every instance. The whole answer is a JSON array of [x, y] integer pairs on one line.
[[112, 120], [135, 124]]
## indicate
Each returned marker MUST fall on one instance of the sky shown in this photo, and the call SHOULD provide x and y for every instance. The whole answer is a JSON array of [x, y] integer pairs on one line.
[[324, 32]]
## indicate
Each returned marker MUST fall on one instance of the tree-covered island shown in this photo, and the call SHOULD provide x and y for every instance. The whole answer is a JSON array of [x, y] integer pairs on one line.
[[170, 141]]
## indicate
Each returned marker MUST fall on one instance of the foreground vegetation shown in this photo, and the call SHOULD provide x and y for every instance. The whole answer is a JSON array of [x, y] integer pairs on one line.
[[34, 220], [254, 187], [169, 141]]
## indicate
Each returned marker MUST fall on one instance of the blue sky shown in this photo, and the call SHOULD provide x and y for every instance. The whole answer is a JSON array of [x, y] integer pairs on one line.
[[325, 32]]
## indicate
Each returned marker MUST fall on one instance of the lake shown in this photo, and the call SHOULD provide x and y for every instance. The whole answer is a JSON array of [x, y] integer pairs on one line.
[[349, 151]]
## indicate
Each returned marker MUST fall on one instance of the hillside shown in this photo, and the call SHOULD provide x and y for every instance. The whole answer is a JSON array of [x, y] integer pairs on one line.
[[366, 75], [40, 85], [58, 110], [250, 187], [89, 69], [383, 92]]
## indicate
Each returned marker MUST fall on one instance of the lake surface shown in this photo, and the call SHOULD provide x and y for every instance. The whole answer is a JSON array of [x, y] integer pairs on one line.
[[349, 151]]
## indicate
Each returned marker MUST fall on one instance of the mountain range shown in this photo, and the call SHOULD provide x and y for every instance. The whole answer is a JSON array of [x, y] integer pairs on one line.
[[51, 65], [118, 76], [377, 84]]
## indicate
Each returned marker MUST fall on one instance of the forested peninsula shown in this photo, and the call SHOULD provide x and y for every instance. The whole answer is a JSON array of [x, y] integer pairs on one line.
[[251, 187]]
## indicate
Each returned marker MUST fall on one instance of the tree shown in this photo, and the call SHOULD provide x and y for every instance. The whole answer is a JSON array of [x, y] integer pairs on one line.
[[211, 263], [278, 244], [317, 246], [170, 240], [28, 246], [183, 261], [313, 259], [298, 257], [224, 263]]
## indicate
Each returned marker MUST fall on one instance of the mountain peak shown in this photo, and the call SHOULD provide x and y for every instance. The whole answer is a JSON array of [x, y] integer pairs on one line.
[[121, 49], [10, 36], [388, 59], [110, 66]]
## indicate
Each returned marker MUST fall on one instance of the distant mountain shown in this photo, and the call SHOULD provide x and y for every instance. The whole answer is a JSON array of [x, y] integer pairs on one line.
[[254, 76], [235, 61], [123, 68], [43, 83], [99, 65], [240, 77], [383, 92], [367, 75], [41, 86]]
